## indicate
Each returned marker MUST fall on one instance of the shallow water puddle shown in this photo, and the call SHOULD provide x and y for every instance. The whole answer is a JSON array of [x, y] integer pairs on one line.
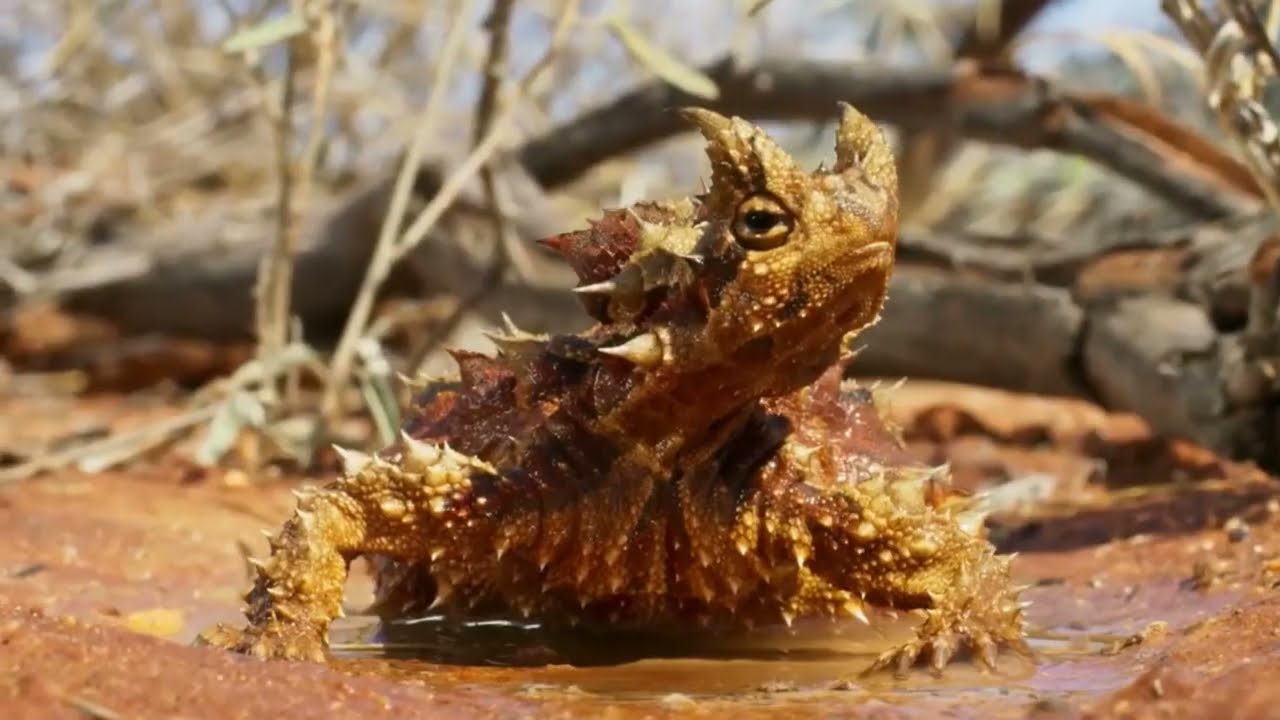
[[785, 665]]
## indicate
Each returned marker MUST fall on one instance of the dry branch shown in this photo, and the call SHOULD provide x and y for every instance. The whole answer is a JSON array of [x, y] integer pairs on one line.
[[982, 42], [986, 39], [497, 24], [392, 243], [998, 106]]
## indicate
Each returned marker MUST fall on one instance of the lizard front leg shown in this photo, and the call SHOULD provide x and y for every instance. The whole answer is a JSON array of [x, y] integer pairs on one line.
[[883, 538], [409, 499]]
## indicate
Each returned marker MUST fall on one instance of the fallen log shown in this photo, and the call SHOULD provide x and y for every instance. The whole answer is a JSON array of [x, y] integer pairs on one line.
[[1182, 333]]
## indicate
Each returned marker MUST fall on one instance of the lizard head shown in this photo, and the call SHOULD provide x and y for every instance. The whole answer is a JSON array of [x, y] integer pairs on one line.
[[796, 260], [753, 288]]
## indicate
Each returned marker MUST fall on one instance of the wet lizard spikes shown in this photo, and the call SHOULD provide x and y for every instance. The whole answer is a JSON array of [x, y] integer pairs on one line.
[[693, 459]]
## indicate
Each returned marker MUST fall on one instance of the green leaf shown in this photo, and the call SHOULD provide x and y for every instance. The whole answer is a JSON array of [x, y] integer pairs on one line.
[[266, 33], [662, 63]]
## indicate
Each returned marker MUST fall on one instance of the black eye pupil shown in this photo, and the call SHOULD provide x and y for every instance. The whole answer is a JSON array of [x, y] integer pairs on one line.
[[760, 220]]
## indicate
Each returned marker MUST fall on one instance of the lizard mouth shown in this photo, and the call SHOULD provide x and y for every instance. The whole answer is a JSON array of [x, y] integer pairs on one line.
[[872, 256], [876, 248]]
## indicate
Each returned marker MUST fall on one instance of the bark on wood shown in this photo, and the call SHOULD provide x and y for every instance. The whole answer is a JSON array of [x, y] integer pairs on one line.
[[995, 105], [1193, 352], [211, 297]]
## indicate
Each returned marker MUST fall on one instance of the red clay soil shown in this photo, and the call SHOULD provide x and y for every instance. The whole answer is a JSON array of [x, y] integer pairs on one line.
[[1154, 568]]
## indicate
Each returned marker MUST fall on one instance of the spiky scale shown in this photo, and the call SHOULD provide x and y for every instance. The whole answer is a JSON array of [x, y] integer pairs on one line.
[[353, 461], [644, 350], [604, 287], [747, 483]]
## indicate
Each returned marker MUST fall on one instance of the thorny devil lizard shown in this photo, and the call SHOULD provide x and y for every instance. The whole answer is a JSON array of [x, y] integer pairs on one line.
[[693, 459]]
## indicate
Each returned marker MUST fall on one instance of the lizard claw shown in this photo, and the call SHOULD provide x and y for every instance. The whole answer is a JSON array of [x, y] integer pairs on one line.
[[942, 634], [276, 642]]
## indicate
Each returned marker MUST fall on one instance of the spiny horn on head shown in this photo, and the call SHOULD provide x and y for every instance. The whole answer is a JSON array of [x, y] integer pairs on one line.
[[741, 154], [861, 144]]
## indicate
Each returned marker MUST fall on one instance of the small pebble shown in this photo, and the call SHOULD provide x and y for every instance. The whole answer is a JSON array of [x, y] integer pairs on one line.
[[846, 685], [778, 686], [679, 700], [159, 622], [1236, 529]]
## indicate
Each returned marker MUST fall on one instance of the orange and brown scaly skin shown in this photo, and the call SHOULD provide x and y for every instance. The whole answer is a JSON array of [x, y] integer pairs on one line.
[[694, 459]]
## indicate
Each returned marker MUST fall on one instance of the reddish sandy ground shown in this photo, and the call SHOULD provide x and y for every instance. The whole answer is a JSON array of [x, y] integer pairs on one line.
[[1154, 568]]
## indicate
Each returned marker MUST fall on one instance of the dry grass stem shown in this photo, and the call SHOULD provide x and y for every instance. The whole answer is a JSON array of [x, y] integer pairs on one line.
[[1240, 61], [388, 248], [105, 453], [495, 118], [498, 25], [275, 322]]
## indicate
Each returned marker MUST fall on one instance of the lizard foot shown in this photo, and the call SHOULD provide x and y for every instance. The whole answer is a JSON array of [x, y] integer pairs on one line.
[[944, 631], [271, 642]]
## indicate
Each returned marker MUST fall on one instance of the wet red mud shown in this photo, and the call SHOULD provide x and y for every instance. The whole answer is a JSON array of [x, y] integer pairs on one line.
[[1155, 570]]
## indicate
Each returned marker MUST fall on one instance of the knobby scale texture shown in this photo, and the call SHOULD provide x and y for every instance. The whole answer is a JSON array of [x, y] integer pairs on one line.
[[694, 459]]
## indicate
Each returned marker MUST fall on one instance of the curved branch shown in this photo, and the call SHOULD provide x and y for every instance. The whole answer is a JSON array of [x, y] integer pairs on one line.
[[993, 105]]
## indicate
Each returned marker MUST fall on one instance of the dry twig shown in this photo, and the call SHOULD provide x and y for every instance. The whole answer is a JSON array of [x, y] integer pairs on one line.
[[275, 285], [993, 105], [391, 249], [391, 244], [498, 25], [105, 453]]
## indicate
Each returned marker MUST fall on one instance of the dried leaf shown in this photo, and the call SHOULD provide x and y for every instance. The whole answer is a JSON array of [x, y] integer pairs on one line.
[[238, 411], [266, 33], [296, 437], [663, 64], [378, 391]]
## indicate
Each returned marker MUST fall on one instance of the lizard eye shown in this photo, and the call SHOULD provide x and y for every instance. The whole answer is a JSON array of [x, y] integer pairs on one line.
[[761, 223]]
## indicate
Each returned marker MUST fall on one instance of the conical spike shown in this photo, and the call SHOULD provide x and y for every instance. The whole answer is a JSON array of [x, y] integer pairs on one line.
[[306, 518], [353, 461], [422, 454], [510, 325], [742, 156], [855, 609], [713, 125], [861, 144], [444, 589], [606, 287], [644, 350]]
